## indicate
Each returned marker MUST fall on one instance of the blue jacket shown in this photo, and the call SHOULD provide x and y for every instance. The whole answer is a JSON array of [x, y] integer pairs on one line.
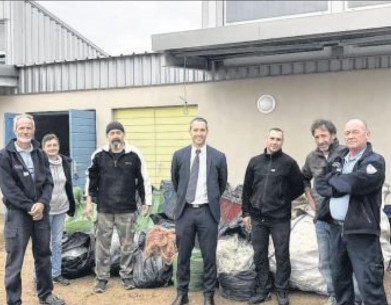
[[364, 185], [19, 189]]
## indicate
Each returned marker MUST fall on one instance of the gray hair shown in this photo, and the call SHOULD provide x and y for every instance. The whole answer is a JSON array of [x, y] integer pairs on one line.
[[23, 116]]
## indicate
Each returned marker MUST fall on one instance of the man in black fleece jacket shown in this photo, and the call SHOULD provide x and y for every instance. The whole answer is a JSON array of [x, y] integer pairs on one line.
[[117, 171], [273, 179]]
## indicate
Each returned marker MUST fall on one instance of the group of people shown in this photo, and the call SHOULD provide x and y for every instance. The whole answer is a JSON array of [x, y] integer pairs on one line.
[[342, 183]]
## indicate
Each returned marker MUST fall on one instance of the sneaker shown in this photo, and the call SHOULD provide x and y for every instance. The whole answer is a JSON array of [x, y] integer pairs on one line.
[[259, 298], [331, 301], [100, 286], [61, 280], [282, 298], [128, 283], [52, 299]]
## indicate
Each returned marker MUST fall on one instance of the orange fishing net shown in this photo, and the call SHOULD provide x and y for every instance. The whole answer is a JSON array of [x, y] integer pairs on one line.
[[161, 241]]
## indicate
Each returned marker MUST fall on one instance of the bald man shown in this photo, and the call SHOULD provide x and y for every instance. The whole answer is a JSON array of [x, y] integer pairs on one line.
[[352, 186]]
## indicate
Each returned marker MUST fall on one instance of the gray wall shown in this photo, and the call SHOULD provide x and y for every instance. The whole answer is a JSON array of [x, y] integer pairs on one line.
[[236, 126]]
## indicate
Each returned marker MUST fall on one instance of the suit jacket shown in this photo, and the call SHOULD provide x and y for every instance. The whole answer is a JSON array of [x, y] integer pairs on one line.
[[216, 177]]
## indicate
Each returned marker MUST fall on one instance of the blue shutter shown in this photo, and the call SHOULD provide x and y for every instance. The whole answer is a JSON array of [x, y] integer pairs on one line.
[[82, 142], [8, 127]]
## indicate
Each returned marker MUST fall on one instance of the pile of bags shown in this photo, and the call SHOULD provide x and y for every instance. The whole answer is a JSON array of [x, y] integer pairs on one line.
[[155, 253], [235, 265]]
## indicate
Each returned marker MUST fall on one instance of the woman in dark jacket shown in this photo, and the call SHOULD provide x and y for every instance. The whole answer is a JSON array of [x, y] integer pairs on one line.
[[62, 201]]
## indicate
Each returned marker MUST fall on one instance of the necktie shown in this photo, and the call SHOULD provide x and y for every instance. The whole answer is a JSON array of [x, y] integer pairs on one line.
[[192, 186]]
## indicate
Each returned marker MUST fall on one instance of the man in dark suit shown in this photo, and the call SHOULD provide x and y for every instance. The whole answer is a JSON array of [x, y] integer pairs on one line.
[[199, 176]]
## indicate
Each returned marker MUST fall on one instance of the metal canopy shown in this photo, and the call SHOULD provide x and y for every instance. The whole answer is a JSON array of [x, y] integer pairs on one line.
[[311, 47]]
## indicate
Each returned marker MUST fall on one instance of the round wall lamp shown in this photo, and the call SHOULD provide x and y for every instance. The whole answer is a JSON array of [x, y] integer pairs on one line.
[[266, 104]]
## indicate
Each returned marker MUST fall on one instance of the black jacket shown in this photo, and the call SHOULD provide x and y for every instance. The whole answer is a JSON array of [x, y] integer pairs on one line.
[[364, 185], [66, 165], [19, 190], [114, 180], [313, 166], [271, 183]]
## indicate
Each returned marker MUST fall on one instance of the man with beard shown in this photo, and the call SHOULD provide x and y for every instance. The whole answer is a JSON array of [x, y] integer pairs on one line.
[[117, 171], [327, 147], [27, 185]]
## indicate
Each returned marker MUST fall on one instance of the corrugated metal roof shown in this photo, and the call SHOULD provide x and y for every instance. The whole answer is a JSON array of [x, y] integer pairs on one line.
[[146, 69], [151, 69]]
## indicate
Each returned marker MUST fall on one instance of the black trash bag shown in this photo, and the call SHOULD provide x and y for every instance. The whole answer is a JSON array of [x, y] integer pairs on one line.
[[170, 198], [78, 255], [237, 287], [162, 220], [152, 272]]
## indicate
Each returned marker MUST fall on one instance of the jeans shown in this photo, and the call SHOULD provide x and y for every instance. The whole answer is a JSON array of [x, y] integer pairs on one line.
[[280, 232], [361, 254], [57, 226], [324, 246]]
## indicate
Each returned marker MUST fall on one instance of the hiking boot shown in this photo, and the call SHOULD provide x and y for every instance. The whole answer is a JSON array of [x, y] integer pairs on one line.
[[128, 283], [52, 299], [282, 298], [259, 298], [331, 301], [100, 286], [61, 280]]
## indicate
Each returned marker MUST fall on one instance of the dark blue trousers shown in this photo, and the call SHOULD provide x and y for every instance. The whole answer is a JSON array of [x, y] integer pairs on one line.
[[19, 227], [280, 232], [201, 222], [359, 254]]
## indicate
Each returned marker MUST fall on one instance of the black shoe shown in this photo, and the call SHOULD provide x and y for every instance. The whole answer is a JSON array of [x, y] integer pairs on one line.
[[51, 299], [181, 299], [128, 283], [61, 280], [208, 300], [100, 286], [282, 298], [259, 298]]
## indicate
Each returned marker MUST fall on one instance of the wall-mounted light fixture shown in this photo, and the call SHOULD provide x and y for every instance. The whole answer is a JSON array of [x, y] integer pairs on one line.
[[266, 104]]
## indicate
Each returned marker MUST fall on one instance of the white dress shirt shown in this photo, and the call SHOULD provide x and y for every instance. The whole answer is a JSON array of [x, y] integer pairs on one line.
[[201, 195]]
